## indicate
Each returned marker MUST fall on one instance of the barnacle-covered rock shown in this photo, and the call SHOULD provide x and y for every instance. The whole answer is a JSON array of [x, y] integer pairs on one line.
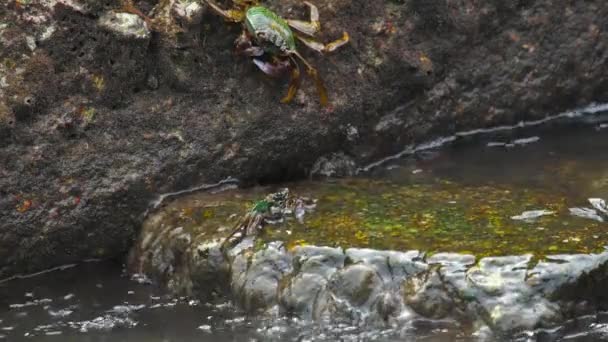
[[125, 25]]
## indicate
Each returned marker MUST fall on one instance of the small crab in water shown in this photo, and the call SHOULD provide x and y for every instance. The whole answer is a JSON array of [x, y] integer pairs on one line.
[[274, 209], [270, 41]]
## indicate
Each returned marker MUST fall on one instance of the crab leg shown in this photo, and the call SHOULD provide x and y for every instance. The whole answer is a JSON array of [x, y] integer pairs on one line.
[[323, 48], [314, 74], [294, 84], [246, 226], [246, 3], [274, 69], [233, 15], [278, 69], [311, 27], [321, 90]]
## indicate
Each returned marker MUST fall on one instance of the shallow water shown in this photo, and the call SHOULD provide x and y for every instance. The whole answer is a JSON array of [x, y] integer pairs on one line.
[[530, 195], [96, 302], [504, 196], [468, 197]]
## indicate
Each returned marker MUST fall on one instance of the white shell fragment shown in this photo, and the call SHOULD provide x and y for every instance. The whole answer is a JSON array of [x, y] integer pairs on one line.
[[532, 215]]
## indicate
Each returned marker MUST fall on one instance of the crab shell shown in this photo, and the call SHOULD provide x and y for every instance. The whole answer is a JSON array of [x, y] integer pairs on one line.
[[270, 31]]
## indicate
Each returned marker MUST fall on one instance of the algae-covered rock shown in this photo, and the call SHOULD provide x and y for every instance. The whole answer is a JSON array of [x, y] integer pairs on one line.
[[440, 216], [182, 247], [185, 239]]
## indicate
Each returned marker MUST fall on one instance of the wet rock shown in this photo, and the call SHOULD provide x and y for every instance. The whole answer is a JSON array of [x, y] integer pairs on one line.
[[323, 261], [255, 278], [389, 309], [368, 287], [210, 269], [506, 303], [426, 294], [597, 213], [494, 296], [181, 253], [435, 293], [168, 258], [304, 293], [335, 165], [499, 293], [593, 332], [390, 121], [509, 293], [352, 210], [390, 265], [576, 278], [356, 284]]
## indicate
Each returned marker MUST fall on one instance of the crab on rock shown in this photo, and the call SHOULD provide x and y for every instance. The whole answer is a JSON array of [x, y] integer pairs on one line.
[[270, 41]]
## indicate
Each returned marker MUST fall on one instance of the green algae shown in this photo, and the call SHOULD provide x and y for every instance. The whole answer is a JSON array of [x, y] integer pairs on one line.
[[439, 217], [206, 216], [432, 216]]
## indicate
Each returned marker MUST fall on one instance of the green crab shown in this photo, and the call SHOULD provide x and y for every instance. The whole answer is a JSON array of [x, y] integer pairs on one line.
[[273, 209], [270, 41]]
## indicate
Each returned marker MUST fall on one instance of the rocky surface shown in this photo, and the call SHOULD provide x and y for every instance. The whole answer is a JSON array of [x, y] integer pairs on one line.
[[491, 297], [101, 111]]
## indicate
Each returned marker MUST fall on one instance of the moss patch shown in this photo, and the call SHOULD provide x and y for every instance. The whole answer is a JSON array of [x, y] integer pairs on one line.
[[437, 216], [440, 216]]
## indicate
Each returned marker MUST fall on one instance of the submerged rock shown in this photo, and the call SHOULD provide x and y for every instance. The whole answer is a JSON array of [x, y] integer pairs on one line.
[[494, 296]]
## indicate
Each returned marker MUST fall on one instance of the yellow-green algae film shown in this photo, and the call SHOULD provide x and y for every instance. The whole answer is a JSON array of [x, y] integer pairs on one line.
[[439, 217], [457, 200], [205, 216]]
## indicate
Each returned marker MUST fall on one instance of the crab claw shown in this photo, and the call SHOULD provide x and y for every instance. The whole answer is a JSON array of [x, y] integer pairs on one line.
[[275, 69], [244, 46]]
